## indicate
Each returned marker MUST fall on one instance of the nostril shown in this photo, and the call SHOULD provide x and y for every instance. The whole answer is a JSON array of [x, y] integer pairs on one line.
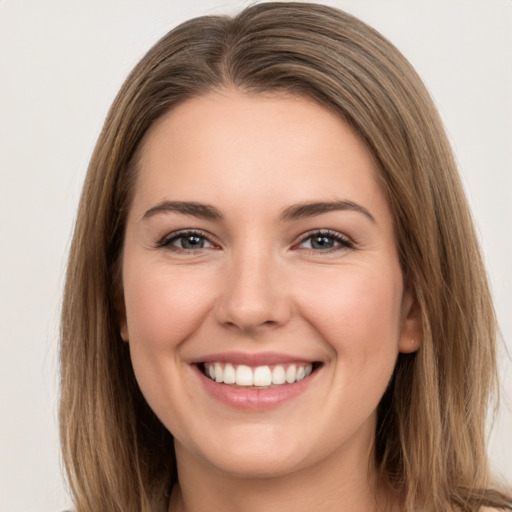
[[252, 302]]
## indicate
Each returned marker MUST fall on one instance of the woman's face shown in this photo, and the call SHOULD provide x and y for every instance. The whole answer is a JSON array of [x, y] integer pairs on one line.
[[260, 251]]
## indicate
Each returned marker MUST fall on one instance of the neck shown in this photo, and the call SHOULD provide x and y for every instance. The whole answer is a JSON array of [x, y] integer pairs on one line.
[[341, 482]]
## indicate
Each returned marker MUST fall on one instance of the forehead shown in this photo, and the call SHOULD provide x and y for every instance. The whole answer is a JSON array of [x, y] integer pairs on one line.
[[231, 146]]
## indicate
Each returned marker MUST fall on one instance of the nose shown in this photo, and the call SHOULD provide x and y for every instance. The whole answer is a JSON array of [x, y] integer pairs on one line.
[[254, 295]]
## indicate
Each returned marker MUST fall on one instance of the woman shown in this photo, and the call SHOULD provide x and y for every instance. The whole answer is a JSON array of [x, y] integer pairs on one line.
[[275, 296]]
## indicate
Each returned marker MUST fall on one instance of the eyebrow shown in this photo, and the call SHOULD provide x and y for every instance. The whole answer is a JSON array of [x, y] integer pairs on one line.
[[202, 211], [302, 210], [293, 212]]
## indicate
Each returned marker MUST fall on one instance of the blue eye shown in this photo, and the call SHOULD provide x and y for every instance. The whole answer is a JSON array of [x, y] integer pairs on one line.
[[186, 241], [318, 241], [325, 241]]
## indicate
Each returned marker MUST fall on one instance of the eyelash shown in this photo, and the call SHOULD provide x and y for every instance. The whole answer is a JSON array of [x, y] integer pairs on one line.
[[166, 242], [344, 243]]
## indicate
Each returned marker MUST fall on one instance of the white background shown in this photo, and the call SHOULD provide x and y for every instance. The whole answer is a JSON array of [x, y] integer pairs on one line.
[[61, 63]]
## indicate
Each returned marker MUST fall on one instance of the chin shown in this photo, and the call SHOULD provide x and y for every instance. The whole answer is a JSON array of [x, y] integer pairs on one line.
[[260, 458], [257, 467]]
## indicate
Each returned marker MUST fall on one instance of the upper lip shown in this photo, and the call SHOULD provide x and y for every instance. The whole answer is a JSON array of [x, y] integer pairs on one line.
[[252, 359]]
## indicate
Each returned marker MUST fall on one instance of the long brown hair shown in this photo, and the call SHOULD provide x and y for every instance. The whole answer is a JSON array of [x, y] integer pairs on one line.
[[430, 438]]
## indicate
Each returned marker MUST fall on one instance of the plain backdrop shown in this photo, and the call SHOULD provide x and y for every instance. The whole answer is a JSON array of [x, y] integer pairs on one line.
[[61, 63]]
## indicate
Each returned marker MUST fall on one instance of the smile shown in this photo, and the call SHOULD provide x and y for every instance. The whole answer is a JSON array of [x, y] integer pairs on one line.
[[256, 382], [259, 376]]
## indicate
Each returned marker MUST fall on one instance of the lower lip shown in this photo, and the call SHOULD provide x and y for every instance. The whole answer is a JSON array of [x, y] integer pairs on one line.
[[252, 398]]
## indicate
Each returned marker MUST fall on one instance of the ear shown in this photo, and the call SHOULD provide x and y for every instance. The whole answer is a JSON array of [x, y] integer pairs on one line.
[[120, 310], [123, 328], [411, 335]]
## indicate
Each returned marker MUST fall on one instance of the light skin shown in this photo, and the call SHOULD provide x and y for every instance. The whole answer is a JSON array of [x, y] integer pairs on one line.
[[258, 227]]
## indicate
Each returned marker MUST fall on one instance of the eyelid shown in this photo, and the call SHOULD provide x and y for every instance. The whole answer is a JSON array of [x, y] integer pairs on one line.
[[165, 241], [344, 241]]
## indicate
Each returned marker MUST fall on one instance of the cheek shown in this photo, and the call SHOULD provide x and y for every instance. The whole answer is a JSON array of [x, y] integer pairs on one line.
[[357, 311], [164, 305]]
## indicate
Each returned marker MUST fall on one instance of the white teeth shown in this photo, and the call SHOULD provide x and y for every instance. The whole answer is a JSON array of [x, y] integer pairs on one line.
[[244, 375], [260, 376], [291, 374], [278, 375], [229, 374], [218, 372]]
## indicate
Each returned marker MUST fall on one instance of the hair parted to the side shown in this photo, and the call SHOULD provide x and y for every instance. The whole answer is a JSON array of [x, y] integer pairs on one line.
[[430, 439]]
